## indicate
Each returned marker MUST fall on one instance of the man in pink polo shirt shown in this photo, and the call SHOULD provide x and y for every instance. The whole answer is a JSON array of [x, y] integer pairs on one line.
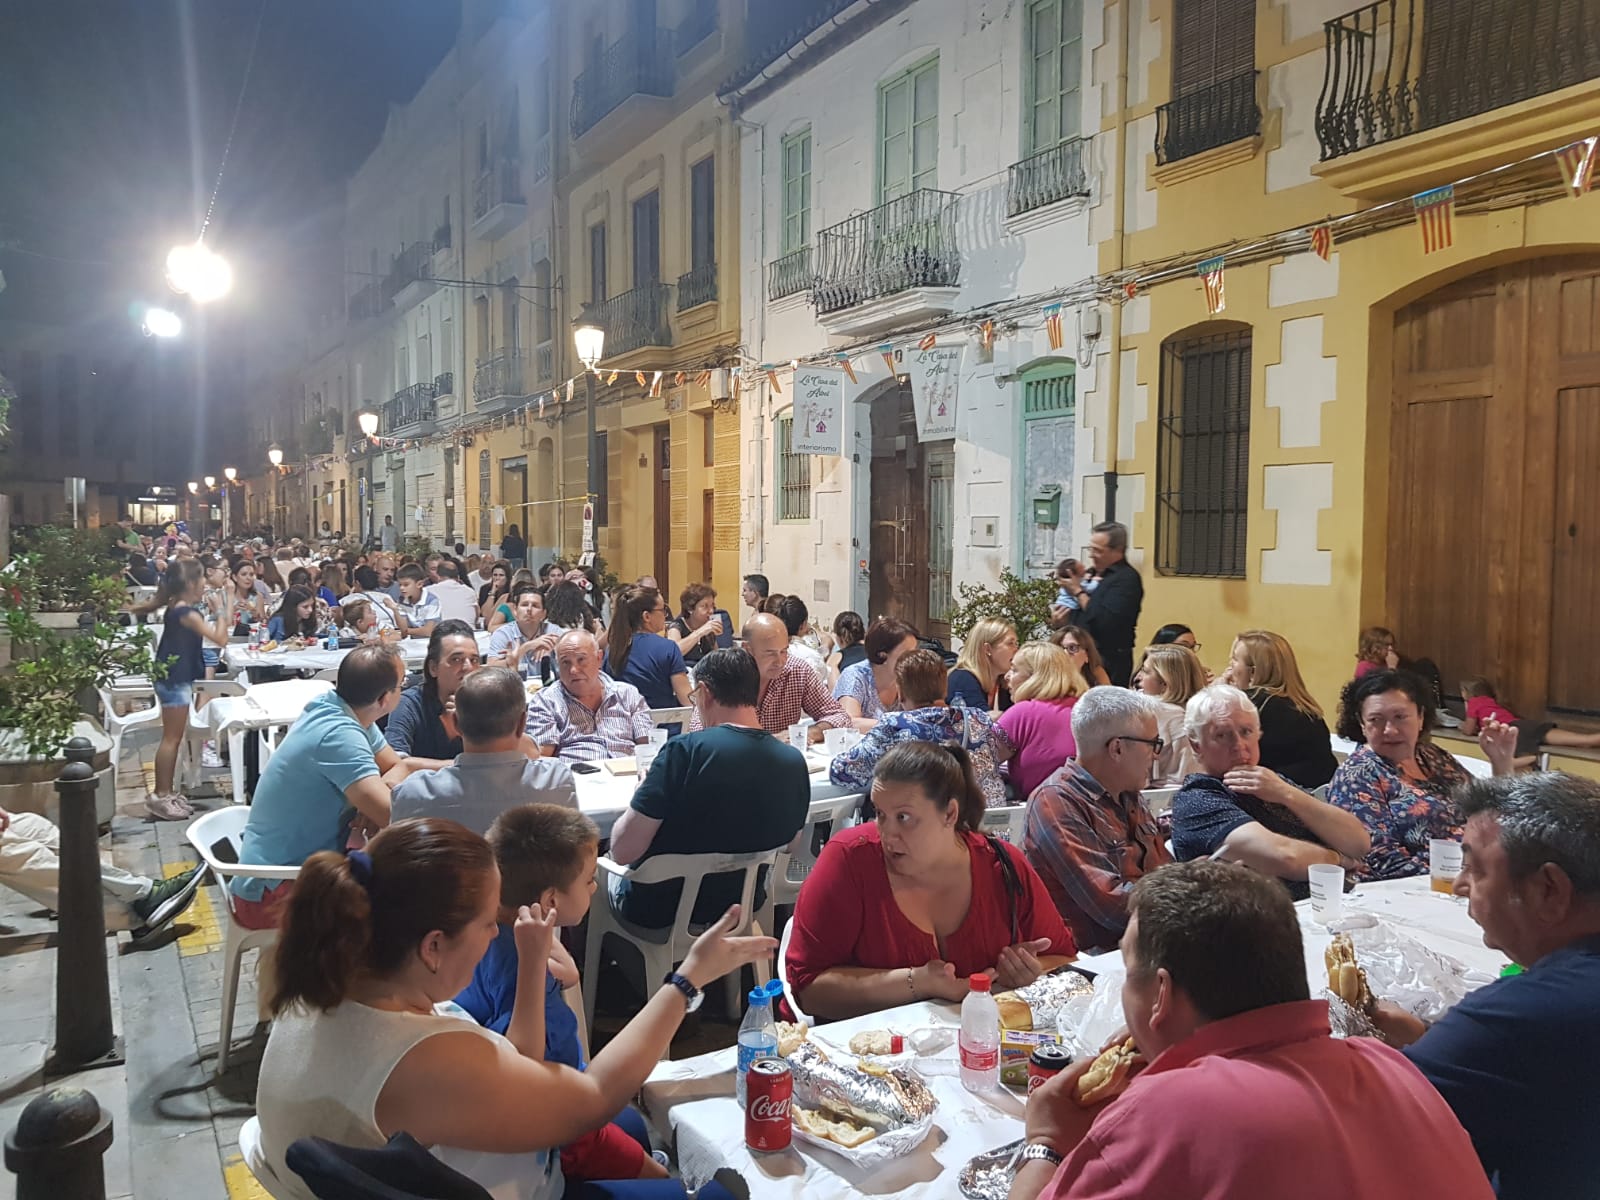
[[1246, 1095]]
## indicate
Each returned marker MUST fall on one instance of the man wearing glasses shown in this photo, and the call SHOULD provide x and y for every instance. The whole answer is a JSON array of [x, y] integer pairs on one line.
[[1088, 833]]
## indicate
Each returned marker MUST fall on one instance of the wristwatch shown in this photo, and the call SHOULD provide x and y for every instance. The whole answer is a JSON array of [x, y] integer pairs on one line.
[[1038, 1151], [691, 994]]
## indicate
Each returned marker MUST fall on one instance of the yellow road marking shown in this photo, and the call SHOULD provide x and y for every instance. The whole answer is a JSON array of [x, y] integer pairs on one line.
[[205, 934], [242, 1185]]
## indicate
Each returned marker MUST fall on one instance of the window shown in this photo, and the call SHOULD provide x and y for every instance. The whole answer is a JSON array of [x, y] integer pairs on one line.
[[1212, 41], [402, 369], [908, 132], [703, 213], [1203, 452], [793, 475], [647, 240], [602, 451], [1055, 63], [543, 308], [510, 317], [447, 345], [597, 262], [480, 319], [797, 190], [483, 146], [485, 508]]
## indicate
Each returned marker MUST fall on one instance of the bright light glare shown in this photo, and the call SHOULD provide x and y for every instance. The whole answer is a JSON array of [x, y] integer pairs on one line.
[[162, 323], [368, 421], [589, 340], [275, 454], [230, 474], [197, 271], [211, 481]]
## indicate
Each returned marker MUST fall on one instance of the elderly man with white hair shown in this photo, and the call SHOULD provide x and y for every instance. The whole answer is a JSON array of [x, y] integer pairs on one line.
[[1088, 833], [586, 714], [1243, 812]]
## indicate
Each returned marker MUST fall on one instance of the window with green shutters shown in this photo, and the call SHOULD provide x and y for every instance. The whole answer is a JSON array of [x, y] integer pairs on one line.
[[793, 474], [1055, 68], [908, 132], [797, 190]]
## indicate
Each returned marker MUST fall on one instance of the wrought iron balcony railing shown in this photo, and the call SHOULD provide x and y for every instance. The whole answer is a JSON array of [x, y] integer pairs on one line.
[[1048, 176], [544, 361], [369, 302], [1210, 117], [698, 286], [636, 318], [500, 184], [409, 406], [444, 383], [441, 237], [1398, 67], [413, 263], [907, 243], [790, 274], [695, 28], [637, 64], [500, 375]]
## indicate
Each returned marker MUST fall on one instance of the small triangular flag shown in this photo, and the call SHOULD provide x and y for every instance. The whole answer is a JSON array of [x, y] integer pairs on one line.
[[1322, 241], [1577, 163], [928, 342], [888, 356], [655, 384], [845, 365]]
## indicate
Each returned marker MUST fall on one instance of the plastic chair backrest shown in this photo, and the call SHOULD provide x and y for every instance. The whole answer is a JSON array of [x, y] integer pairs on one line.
[[1005, 822], [835, 811], [671, 716], [1158, 800], [692, 870], [783, 975], [227, 825]]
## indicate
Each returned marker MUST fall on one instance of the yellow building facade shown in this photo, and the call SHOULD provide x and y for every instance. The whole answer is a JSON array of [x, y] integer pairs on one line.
[[1385, 436]]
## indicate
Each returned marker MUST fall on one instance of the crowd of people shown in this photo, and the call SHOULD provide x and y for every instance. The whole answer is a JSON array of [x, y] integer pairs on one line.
[[440, 850]]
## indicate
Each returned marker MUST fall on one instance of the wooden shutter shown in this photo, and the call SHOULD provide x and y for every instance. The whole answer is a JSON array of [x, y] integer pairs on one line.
[[647, 240], [1212, 41], [702, 213], [894, 140]]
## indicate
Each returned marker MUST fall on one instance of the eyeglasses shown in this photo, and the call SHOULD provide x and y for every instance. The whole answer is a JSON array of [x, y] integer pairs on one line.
[[1157, 745]]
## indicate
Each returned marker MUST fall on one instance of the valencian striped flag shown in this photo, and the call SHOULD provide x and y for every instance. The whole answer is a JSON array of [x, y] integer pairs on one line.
[[703, 379], [772, 377], [655, 384], [888, 356], [986, 334], [611, 378], [1322, 242], [1210, 273], [1577, 163], [843, 360], [1052, 325], [638, 377], [928, 342], [1436, 211]]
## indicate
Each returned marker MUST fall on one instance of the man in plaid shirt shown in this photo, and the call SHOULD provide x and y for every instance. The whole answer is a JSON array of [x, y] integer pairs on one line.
[[586, 714], [789, 688]]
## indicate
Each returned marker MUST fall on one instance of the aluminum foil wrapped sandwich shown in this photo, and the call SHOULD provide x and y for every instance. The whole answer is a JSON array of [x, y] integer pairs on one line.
[[883, 1099]]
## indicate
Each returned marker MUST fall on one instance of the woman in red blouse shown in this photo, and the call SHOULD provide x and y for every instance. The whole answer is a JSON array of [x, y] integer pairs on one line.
[[907, 907]]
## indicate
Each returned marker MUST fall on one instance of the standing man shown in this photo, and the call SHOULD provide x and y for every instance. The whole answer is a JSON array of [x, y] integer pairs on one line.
[[388, 536], [1111, 611], [755, 591]]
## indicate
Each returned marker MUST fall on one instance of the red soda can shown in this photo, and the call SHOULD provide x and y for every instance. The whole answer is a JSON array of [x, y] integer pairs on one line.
[[769, 1086], [1046, 1061]]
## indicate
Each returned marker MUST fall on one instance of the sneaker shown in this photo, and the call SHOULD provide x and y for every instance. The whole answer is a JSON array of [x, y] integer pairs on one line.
[[168, 808], [166, 899], [209, 757]]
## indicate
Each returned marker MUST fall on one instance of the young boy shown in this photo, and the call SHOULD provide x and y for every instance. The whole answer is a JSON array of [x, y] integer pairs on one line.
[[419, 611], [1483, 707], [546, 854]]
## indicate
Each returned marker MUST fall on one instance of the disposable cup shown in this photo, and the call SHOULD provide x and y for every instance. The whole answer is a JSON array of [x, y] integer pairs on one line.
[[1327, 891], [1444, 864], [643, 755], [797, 737], [837, 741]]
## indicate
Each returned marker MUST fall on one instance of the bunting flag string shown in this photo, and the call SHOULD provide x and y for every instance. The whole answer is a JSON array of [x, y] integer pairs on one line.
[[638, 377], [888, 356], [985, 336], [772, 377], [1322, 241], [1130, 290], [703, 379], [1577, 163], [1052, 325], [928, 342], [679, 378], [655, 384], [1435, 211], [612, 378], [1210, 273], [845, 365]]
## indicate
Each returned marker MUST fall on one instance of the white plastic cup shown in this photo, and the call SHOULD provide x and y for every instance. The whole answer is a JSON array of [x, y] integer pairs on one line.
[[643, 755], [836, 741], [797, 737], [1444, 864], [1327, 892], [658, 736]]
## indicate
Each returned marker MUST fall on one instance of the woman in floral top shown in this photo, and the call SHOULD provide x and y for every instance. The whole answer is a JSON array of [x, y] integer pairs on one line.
[[1400, 784], [927, 718]]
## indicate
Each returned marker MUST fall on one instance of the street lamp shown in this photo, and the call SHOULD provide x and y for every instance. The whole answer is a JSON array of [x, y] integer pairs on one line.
[[161, 323], [368, 420], [230, 474], [198, 272], [275, 454], [194, 488], [589, 340], [211, 482]]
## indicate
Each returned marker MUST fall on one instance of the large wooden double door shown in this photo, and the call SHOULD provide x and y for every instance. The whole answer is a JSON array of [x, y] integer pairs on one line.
[[1494, 491], [913, 515]]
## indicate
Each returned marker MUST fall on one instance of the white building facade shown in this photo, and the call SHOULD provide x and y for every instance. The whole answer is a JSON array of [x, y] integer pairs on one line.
[[924, 169]]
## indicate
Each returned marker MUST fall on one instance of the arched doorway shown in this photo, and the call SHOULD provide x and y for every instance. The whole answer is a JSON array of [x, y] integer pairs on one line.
[[1494, 501], [912, 509]]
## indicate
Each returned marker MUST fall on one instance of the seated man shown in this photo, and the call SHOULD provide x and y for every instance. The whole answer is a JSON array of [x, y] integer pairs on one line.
[[789, 689], [1247, 1094], [419, 611], [457, 601], [730, 787], [586, 714], [332, 759], [1088, 833], [1507, 1057], [521, 643], [1252, 815], [493, 771]]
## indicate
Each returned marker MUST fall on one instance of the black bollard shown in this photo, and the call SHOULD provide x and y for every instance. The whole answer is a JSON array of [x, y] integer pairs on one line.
[[57, 1149], [84, 1035]]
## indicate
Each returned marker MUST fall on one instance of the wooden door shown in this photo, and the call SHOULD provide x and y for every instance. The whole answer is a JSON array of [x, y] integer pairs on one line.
[[663, 506], [708, 533], [899, 565]]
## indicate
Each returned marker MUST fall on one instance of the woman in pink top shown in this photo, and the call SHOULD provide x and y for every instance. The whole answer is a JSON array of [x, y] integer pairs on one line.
[[1045, 683]]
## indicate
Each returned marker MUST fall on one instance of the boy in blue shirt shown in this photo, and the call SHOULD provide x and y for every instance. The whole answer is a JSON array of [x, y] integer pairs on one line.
[[546, 854]]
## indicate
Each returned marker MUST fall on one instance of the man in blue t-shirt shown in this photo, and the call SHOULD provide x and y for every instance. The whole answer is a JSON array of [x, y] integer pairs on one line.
[[1515, 1059], [730, 788]]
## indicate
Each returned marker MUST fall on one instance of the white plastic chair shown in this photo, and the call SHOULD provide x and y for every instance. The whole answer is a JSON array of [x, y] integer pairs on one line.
[[255, 1158], [783, 977], [671, 716], [1158, 800], [199, 733], [662, 949], [328, 674], [792, 869], [1005, 822], [124, 728], [227, 825], [574, 997]]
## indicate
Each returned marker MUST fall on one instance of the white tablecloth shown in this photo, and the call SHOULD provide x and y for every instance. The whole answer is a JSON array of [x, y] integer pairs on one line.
[[263, 706], [242, 658]]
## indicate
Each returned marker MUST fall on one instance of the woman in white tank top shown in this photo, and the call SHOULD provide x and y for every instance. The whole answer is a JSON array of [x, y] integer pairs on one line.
[[365, 1042]]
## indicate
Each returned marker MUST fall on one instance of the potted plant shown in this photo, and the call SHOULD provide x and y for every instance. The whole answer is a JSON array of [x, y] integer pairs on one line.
[[1024, 602], [68, 572]]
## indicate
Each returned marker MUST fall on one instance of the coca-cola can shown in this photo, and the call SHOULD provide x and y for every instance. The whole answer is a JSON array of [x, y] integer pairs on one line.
[[1046, 1062], [768, 1088]]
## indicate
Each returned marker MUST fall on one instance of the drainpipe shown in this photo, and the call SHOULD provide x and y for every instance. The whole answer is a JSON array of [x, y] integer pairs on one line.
[[1118, 259], [762, 414]]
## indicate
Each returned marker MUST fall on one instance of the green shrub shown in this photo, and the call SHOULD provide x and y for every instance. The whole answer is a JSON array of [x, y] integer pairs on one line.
[[1023, 602]]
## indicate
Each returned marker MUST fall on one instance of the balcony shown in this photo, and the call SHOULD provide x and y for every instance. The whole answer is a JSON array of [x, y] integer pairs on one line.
[[539, 161], [635, 319], [500, 379], [1047, 177], [444, 383], [413, 410], [697, 287], [790, 275], [544, 362], [371, 301], [1522, 75], [441, 237], [628, 86], [498, 205], [1203, 120], [695, 28], [411, 278], [889, 265]]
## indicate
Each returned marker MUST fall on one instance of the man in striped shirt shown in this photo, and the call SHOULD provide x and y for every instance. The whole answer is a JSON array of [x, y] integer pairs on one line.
[[586, 714]]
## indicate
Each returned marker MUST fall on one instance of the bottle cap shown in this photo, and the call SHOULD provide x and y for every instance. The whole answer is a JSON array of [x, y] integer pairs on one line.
[[760, 995], [979, 983]]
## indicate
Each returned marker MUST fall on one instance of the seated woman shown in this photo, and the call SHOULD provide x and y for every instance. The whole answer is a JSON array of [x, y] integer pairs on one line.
[[364, 1044], [300, 577], [494, 590], [422, 724], [867, 690], [1169, 675], [979, 680], [639, 652], [850, 637], [908, 906], [1397, 781], [1085, 654], [925, 717], [296, 616], [1294, 737], [1045, 684], [500, 611], [804, 643], [700, 626]]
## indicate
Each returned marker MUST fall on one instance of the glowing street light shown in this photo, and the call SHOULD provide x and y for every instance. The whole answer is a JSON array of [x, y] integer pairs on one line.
[[589, 339], [194, 488], [198, 272], [368, 420], [230, 474], [211, 482], [275, 454], [161, 323]]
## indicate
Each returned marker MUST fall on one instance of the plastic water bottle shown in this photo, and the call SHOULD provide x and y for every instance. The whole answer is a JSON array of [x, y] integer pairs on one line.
[[980, 1037], [758, 1037]]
